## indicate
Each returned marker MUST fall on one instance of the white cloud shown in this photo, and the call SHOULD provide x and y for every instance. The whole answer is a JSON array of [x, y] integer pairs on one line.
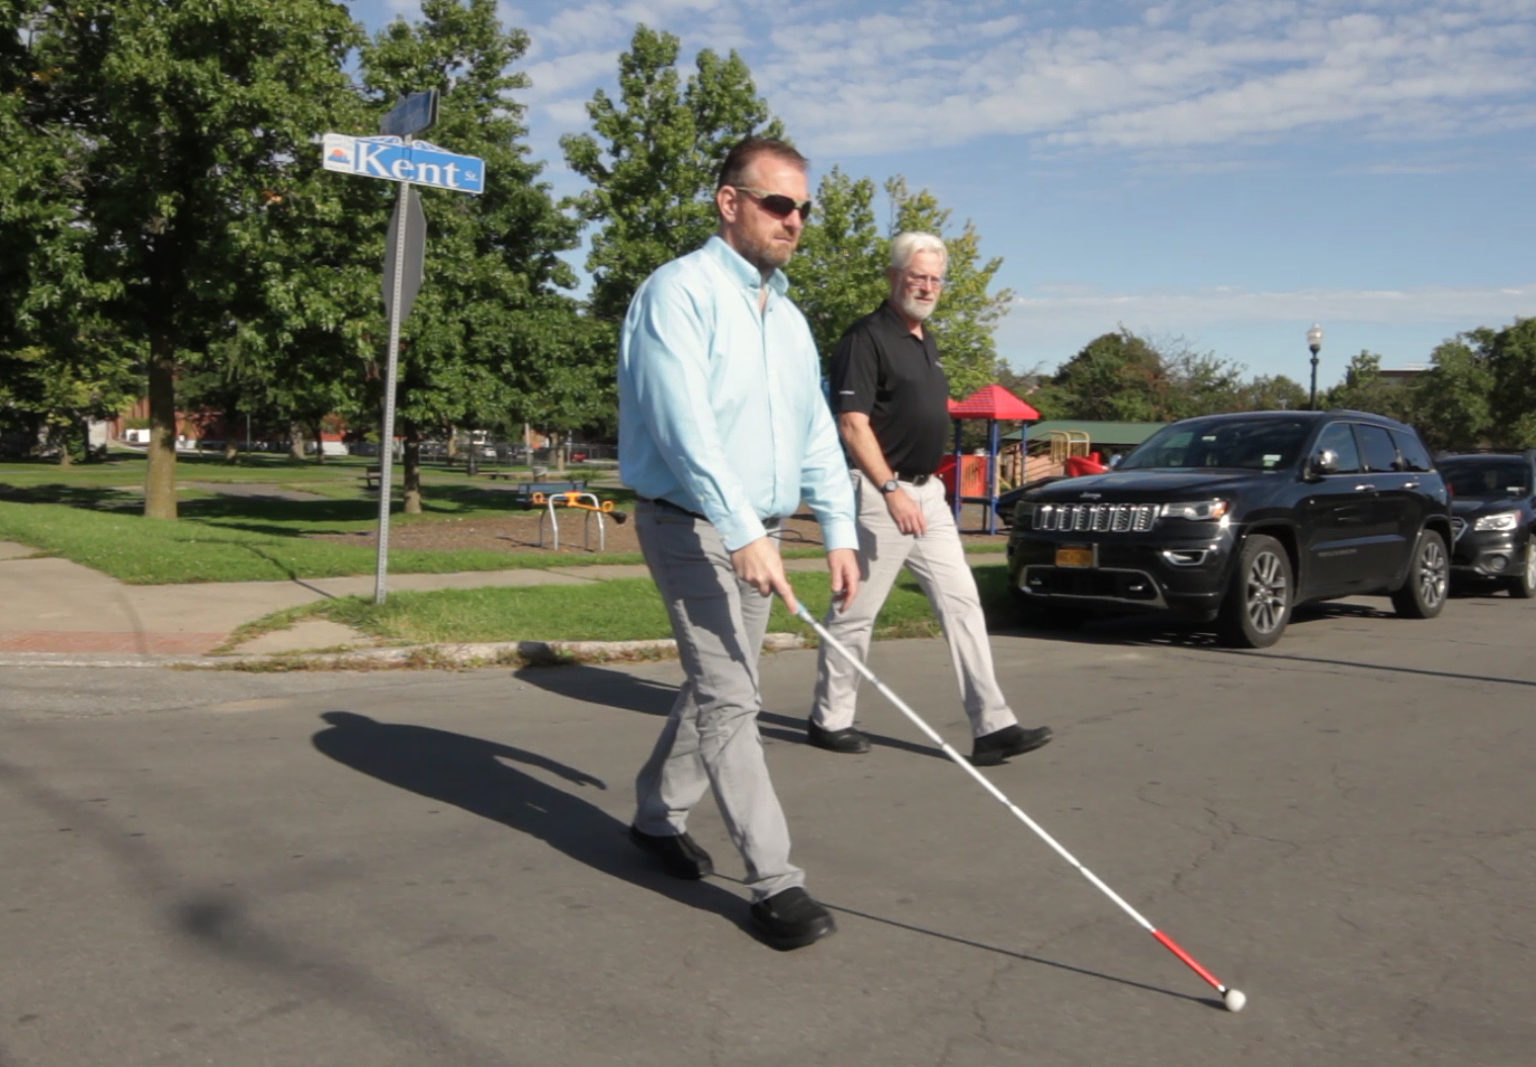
[[1231, 305]]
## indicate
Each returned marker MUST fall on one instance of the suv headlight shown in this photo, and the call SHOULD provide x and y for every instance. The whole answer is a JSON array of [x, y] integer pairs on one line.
[[1197, 510], [1504, 520]]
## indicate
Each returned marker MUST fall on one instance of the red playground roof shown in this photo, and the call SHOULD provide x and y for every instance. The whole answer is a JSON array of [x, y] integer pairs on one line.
[[992, 402]]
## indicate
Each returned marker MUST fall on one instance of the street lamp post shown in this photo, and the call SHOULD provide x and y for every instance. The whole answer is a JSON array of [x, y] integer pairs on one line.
[[1314, 342]]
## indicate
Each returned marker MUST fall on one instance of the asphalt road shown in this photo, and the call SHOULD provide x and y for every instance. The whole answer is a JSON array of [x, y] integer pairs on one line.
[[429, 868]]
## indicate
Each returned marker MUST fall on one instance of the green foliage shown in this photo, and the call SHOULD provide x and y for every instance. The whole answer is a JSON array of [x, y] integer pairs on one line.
[[165, 123], [838, 273], [1512, 359], [491, 328], [1364, 389], [1117, 377], [968, 312], [653, 162]]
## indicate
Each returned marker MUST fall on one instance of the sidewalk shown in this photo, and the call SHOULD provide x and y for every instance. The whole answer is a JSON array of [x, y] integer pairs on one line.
[[64, 614]]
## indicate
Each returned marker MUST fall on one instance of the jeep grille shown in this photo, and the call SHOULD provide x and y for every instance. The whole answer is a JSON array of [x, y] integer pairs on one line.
[[1106, 518]]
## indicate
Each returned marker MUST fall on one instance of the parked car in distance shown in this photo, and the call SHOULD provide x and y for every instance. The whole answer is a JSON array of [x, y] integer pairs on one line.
[[1238, 518], [1493, 519]]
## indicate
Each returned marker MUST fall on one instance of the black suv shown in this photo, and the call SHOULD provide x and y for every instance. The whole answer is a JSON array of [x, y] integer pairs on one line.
[[1238, 518], [1493, 513]]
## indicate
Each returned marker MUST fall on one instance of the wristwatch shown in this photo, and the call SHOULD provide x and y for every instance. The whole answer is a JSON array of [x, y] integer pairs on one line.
[[890, 486]]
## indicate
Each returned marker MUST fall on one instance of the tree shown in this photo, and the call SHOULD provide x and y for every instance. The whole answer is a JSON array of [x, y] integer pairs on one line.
[[1364, 389], [1277, 393], [654, 160], [1453, 398], [1512, 400], [1117, 377], [491, 335], [61, 361], [181, 115], [968, 313], [1201, 383], [838, 273]]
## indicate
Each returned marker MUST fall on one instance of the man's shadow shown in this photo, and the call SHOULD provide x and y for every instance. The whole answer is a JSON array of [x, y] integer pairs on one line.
[[618, 689], [478, 776]]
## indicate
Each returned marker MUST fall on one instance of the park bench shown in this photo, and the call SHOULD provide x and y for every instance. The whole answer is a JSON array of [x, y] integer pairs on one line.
[[371, 476]]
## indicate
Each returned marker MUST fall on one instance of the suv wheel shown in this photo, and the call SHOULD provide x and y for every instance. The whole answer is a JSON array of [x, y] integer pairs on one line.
[[1423, 594], [1258, 604], [1524, 585]]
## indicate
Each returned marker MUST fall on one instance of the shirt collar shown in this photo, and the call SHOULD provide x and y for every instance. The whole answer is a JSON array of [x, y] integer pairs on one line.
[[742, 271], [894, 322]]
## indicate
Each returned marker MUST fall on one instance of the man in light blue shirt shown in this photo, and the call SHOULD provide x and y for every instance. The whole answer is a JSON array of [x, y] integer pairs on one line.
[[723, 431]]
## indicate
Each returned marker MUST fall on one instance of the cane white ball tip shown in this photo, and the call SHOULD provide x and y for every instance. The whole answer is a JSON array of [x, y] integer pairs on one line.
[[1234, 999]]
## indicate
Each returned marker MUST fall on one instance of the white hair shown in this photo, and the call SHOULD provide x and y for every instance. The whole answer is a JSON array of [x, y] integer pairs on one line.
[[906, 245]]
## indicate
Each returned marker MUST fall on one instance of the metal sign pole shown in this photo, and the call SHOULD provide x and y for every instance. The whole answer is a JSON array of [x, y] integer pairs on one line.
[[387, 444]]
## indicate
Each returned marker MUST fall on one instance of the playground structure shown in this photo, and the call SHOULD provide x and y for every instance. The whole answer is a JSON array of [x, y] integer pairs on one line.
[[580, 500], [974, 479]]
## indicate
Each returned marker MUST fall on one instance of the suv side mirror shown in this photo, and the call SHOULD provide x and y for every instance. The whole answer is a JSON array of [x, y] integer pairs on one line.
[[1323, 462]]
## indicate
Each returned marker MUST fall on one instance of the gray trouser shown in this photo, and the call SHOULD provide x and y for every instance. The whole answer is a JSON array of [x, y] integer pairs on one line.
[[710, 740], [937, 560]]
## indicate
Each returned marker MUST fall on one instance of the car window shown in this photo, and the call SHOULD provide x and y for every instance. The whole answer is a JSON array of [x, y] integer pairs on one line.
[[1415, 456], [1340, 438], [1488, 481], [1257, 444], [1377, 447]]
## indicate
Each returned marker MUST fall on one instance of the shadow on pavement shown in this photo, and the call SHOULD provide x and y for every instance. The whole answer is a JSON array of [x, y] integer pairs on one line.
[[477, 775], [618, 689]]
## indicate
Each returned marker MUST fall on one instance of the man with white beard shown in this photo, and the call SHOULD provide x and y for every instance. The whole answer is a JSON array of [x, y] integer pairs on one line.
[[889, 393]]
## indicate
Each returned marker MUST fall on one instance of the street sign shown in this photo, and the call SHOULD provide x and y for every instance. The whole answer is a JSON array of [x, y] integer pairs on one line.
[[415, 237], [396, 160], [415, 112], [394, 157]]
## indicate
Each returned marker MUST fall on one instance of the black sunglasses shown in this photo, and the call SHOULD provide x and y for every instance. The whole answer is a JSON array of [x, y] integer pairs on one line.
[[777, 204]]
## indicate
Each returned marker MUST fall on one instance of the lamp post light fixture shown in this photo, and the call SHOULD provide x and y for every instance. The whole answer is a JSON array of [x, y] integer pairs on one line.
[[1314, 342]]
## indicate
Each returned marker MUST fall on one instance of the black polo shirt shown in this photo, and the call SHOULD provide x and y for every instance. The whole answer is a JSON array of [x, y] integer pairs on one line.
[[880, 369]]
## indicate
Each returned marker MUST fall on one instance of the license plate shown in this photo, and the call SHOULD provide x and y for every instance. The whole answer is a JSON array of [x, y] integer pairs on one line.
[[1074, 556]]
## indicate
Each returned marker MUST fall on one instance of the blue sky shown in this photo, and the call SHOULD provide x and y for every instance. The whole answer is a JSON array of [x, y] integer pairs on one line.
[[1212, 173]]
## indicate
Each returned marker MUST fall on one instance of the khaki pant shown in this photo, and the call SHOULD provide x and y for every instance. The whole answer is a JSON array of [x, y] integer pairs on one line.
[[937, 560], [710, 741]]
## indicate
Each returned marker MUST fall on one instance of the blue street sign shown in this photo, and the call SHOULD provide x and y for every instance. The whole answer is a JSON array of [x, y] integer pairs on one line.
[[395, 160], [415, 112]]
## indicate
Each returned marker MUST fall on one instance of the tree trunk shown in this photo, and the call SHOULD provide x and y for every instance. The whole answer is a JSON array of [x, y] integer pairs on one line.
[[411, 461], [231, 436], [57, 436], [296, 440], [160, 471], [319, 441]]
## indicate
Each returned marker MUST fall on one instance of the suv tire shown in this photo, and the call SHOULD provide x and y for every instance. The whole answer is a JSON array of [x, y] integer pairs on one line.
[[1258, 602], [1423, 592], [1523, 586]]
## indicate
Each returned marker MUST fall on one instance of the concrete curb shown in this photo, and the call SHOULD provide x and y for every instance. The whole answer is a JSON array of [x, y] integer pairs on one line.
[[413, 657]]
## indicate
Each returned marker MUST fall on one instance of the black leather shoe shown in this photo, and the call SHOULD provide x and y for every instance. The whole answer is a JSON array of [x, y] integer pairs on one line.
[[791, 919], [848, 741], [679, 854], [992, 749]]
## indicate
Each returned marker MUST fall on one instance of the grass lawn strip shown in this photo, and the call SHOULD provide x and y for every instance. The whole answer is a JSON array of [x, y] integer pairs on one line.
[[626, 609]]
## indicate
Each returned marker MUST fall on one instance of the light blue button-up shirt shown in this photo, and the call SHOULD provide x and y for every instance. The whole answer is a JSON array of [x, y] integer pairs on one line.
[[720, 406]]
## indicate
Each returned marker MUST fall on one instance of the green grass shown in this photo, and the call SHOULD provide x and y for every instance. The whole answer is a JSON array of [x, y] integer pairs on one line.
[[618, 610], [91, 514], [221, 548]]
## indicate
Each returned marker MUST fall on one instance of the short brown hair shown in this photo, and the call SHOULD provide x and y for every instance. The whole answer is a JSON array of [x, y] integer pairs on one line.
[[739, 158]]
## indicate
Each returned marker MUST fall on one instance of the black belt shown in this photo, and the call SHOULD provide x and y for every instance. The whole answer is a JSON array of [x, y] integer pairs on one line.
[[915, 479], [667, 505]]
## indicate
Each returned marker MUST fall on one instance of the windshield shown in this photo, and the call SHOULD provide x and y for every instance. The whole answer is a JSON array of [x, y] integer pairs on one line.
[[1486, 481], [1257, 444]]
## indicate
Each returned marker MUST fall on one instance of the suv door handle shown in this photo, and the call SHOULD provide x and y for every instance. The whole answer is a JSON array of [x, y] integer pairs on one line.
[[1410, 485], [1364, 487]]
